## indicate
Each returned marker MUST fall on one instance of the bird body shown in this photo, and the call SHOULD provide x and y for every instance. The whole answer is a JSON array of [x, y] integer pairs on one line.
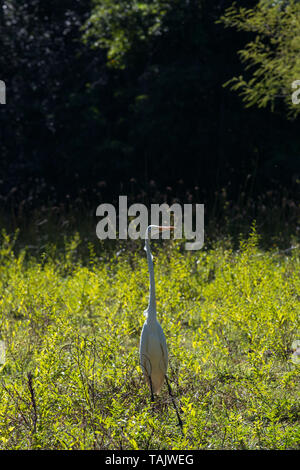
[[153, 346], [154, 354]]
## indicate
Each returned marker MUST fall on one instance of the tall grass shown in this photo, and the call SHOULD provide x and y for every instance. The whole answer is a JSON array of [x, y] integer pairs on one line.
[[70, 320]]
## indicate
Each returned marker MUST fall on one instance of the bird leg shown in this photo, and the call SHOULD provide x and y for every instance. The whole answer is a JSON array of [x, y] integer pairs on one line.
[[151, 388], [174, 404], [148, 376]]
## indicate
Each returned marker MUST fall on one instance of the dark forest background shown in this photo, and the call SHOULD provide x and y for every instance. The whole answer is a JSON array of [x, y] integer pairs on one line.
[[154, 121]]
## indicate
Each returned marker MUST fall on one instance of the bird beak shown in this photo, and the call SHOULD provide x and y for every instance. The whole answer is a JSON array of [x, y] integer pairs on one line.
[[162, 228]]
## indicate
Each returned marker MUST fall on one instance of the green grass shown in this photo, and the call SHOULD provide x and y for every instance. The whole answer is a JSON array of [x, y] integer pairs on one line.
[[71, 325]]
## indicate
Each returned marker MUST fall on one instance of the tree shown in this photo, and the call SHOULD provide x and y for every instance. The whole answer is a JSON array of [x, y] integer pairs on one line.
[[271, 57], [123, 26]]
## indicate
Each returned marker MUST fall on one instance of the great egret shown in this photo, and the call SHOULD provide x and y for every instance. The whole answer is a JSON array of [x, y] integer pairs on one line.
[[153, 346]]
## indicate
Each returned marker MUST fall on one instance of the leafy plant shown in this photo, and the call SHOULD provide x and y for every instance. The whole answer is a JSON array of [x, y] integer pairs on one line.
[[272, 54], [71, 325]]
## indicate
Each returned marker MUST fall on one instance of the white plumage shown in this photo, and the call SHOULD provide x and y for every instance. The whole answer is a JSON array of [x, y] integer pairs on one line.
[[153, 354], [153, 346]]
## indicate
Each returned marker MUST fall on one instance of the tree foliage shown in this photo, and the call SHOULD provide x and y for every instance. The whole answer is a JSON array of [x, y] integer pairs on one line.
[[272, 54], [140, 97], [124, 26]]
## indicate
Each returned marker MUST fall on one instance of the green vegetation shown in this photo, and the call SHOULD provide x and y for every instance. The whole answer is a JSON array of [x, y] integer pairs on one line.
[[272, 54], [114, 94], [122, 26], [109, 98], [71, 324]]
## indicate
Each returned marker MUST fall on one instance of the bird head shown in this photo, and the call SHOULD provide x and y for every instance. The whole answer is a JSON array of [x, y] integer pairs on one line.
[[156, 229]]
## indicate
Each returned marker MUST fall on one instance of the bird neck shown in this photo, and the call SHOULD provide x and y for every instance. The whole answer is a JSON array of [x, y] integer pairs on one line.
[[152, 300]]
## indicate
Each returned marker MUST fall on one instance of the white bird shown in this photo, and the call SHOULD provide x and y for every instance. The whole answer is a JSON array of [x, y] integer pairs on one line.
[[153, 345]]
